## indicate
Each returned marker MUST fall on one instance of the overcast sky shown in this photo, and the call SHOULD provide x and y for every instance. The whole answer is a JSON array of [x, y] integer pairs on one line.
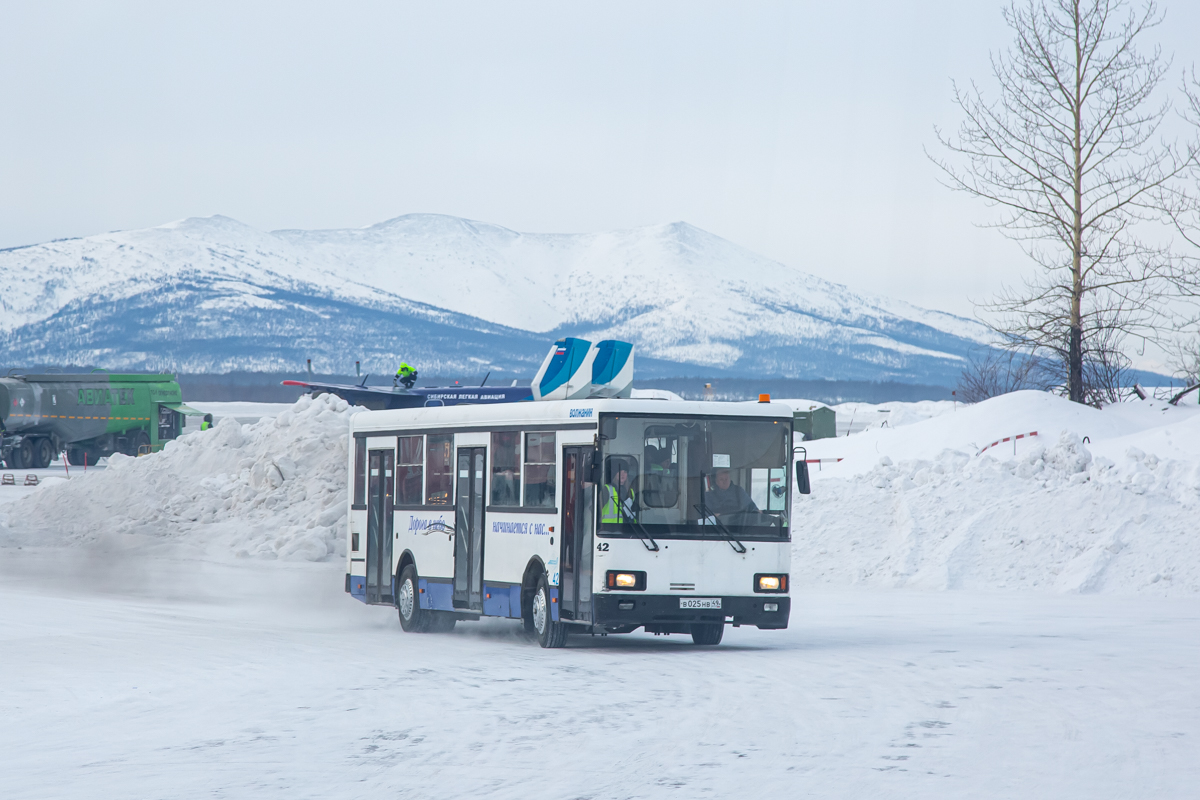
[[794, 129]]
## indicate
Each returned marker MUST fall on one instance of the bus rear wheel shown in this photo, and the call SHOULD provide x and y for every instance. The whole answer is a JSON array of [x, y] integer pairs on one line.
[[413, 618], [707, 633], [549, 632]]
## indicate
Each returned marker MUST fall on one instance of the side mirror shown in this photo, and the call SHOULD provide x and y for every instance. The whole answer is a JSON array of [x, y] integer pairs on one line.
[[802, 482], [595, 473]]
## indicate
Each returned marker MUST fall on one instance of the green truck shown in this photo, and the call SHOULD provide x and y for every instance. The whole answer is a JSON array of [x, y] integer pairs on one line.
[[86, 416]]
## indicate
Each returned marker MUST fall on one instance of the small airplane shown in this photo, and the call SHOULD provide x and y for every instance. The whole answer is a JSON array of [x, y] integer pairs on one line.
[[383, 397], [573, 369]]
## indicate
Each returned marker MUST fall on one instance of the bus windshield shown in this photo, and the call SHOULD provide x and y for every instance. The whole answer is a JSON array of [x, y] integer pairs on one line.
[[694, 478]]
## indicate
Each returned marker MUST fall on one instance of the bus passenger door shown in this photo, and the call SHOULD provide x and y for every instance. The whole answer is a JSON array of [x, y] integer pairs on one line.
[[379, 526], [578, 519], [468, 529]]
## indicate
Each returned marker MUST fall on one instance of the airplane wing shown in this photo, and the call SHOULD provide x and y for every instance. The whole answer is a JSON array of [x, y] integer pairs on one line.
[[387, 397]]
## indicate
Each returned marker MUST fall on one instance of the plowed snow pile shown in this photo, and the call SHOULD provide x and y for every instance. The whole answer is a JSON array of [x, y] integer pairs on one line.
[[925, 505], [916, 505], [274, 489]]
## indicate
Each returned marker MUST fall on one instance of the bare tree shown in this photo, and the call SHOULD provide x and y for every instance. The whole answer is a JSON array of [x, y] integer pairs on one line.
[[1185, 209], [991, 372], [1069, 154], [1184, 353], [1185, 363]]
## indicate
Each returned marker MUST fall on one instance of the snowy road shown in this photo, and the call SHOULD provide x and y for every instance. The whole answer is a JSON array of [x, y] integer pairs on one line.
[[264, 680]]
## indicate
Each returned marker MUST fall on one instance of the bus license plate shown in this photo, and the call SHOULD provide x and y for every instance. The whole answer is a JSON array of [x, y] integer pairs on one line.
[[699, 602]]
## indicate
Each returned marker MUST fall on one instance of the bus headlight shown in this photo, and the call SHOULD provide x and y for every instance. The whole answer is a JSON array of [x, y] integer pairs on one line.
[[770, 583], [628, 580]]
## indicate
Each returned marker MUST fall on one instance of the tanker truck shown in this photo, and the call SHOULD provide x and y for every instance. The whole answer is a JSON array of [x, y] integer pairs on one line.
[[88, 416]]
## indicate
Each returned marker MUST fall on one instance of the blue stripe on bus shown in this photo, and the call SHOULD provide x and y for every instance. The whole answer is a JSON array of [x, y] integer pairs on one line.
[[358, 587], [495, 601], [554, 603], [502, 601], [514, 601], [436, 595]]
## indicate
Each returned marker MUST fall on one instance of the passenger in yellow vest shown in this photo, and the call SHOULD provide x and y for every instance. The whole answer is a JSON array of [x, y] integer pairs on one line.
[[619, 497], [659, 461]]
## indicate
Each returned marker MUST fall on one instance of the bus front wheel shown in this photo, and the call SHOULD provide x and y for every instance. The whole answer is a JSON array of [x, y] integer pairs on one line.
[[549, 632], [708, 634]]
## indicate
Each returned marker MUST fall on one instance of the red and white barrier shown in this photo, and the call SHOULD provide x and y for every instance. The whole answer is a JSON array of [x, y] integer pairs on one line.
[[1009, 439]]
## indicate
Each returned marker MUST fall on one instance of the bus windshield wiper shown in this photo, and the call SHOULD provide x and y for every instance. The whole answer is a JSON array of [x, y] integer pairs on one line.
[[703, 510], [647, 540], [705, 513]]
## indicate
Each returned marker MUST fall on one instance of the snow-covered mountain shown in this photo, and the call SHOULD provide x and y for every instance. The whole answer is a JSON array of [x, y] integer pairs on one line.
[[213, 294]]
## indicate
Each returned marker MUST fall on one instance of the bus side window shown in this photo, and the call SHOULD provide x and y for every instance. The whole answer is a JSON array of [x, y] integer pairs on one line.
[[539, 470], [360, 471], [409, 470], [439, 470], [506, 469]]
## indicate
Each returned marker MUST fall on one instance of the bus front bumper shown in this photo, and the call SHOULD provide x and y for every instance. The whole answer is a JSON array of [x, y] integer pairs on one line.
[[671, 613]]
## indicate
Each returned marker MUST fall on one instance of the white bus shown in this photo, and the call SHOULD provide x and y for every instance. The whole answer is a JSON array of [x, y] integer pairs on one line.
[[593, 516]]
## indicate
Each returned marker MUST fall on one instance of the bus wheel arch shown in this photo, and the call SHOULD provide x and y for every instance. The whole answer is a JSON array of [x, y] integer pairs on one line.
[[406, 558]]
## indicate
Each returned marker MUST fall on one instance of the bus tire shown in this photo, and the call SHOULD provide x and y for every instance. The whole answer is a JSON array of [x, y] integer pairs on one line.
[[707, 633], [413, 618], [549, 632]]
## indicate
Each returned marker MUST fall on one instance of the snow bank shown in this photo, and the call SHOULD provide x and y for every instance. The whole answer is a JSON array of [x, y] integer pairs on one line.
[[972, 428], [855, 417], [274, 489], [916, 505], [922, 506]]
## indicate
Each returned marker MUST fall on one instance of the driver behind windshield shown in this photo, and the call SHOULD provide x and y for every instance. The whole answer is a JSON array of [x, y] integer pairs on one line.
[[620, 499], [726, 497]]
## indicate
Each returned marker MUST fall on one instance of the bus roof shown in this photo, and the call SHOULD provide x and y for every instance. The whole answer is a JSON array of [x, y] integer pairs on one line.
[[554, 413]]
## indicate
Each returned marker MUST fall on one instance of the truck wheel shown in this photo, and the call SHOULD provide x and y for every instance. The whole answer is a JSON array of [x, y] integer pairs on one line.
[[44, 453], [140, 439], [75, 456], [549, 632], [707, 633], [25, 455]]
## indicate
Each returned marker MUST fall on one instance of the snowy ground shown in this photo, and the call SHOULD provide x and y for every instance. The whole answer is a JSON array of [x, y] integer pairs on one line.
[[1020, 620], [165, 679], [57, 471]]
